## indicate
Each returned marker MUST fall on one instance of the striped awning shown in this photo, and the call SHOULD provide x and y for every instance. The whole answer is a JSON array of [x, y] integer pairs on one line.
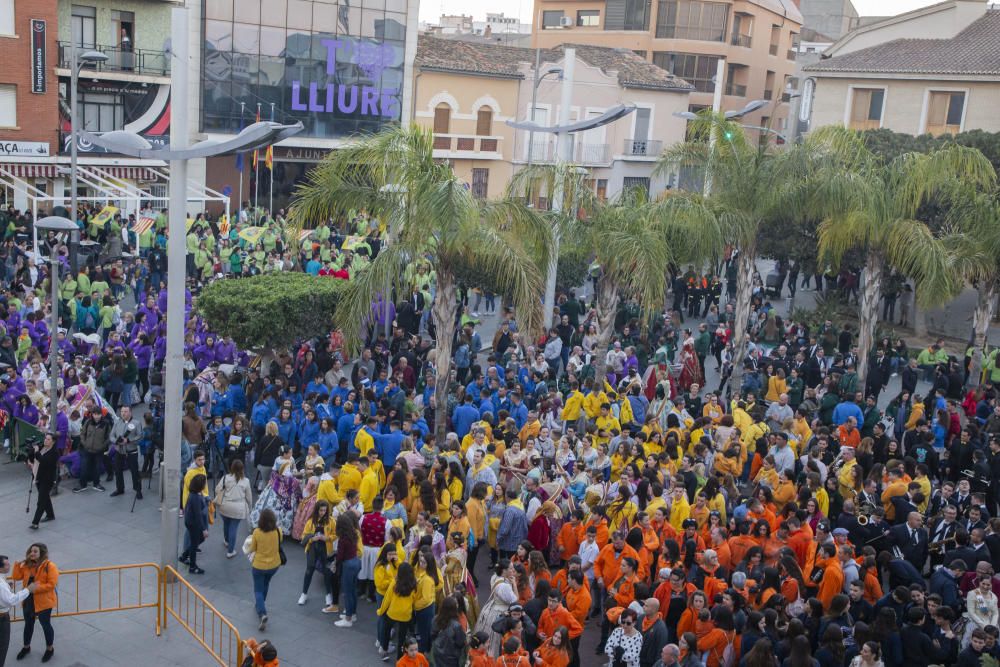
[[29, 170], [129, 173]]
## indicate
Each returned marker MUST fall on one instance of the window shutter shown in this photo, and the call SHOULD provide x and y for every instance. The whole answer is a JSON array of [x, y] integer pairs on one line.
[[614, 15], [442, 119]]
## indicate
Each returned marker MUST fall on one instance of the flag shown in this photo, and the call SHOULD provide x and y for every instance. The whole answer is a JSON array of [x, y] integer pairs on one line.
[[269, 158], [251, 234], [106, 214], [256, 120], [143, 224], [224, 226]]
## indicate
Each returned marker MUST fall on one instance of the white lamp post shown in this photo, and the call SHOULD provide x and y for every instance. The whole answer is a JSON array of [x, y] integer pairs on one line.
[[77, 63]]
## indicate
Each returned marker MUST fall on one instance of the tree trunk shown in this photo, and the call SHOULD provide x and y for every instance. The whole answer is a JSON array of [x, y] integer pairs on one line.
[[443, 311], [607, 307], [919, 317], [981, 318], [744, 290], [871, 294]]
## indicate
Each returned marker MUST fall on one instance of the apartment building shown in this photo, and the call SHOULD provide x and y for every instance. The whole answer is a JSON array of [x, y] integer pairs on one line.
[[933, 70], [466, 91], [756, 38]]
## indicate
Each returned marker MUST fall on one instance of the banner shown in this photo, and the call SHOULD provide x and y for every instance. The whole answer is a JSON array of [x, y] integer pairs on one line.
[[304, 234], [251, 234], [38, 56], [224, 226], [352, 242], [106, 214]]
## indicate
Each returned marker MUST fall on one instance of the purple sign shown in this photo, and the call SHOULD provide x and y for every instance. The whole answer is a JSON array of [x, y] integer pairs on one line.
[[372, 59]]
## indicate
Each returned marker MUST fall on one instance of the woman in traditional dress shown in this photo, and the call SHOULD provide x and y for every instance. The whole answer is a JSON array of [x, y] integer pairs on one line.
[[690, 369], [282, 495], [305, 508], [503, 593]]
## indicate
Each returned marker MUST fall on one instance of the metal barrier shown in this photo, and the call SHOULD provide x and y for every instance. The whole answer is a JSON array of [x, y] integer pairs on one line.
[[111, 594], [200, 618]]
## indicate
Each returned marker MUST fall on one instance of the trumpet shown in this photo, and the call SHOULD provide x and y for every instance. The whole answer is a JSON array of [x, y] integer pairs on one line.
[[865, 512], [939, 546]]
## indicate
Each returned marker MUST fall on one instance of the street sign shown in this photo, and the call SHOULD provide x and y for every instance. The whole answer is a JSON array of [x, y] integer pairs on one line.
[[24, 148], [806, 100], [38, 82]]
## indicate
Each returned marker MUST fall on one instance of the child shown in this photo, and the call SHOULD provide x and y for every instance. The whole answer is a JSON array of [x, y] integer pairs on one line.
[[264, 654], [513, 655], [194, 521], [412, 657], [477, 650]]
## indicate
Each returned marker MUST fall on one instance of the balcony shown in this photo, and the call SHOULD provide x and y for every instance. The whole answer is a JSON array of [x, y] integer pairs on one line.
[[135, 61], [791, 54], [741, 40], [768, 94], [643, 148], [737, 89], [544, 150], [773, 49], [475, 146]]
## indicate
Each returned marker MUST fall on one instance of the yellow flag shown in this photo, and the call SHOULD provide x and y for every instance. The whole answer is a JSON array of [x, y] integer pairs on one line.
[[104, 216], [251, 234]]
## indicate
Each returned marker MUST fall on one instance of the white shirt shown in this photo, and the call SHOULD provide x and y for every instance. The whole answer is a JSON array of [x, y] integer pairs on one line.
[[588, 554], [8, 598]]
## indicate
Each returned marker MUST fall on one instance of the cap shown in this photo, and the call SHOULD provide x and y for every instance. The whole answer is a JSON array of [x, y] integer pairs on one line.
[[840, 531], [515, 607]]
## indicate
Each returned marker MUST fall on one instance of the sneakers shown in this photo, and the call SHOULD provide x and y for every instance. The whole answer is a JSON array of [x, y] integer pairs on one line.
[[230, 554], [329, 599], [385, 655], [78, 489], [99, 487], [331, 609], [302, 599], [344, 623], [263, 623], [116, 493], [196, 570], [351, 619]]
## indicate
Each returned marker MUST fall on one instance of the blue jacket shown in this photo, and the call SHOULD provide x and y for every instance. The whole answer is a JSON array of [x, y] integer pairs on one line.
[[519, 413], [261, 414], [847, 409], [308, 432], [287, 430], [345, 427], [329, 444], [463, 418], [487, 406], [389, 446], [221, 403], [239, 398]]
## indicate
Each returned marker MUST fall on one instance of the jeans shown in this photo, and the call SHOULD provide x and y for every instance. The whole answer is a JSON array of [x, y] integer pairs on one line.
[[187, 538], [45, 620], [261, 582], [424, 619], [230, 527], [89, 468], [349, 570], [4, 638]]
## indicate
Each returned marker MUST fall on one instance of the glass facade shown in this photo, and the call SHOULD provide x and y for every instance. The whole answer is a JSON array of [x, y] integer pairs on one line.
[[335, 66]]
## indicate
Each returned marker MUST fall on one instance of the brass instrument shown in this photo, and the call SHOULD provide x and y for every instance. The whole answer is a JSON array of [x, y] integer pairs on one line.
[[865, 512], [938, 547]]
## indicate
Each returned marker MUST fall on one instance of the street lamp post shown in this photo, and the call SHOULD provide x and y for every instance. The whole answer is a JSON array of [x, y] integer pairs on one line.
[[76, 64], [56, 224], [534, 97], [256, 136]]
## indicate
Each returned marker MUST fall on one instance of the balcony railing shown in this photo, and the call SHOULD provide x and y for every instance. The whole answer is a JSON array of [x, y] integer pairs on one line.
[[773, 49], [741, 40], [736, 89], [133, 61], [791, 54], [643, 147], [544, 150], [768, 94]]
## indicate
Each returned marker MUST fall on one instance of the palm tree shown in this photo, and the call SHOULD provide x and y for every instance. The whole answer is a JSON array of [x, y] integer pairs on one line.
[[975, 248], [749, 184], [428, 210], [871, 206]]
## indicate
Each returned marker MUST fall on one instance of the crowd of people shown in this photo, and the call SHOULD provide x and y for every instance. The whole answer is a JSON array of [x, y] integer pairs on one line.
[[787, 521]]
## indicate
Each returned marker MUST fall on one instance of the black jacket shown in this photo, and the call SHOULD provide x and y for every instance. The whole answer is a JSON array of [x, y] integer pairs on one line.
[[916, 554], [918, 649], [653, 641], [448, 646]]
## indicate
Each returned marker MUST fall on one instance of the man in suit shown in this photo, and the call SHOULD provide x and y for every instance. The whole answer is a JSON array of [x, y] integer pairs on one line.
[[908, 502], [910, 539], [942, 532]]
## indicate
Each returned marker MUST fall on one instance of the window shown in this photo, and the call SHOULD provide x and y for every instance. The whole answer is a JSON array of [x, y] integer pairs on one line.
[[101, 112], [641, 131], [588, 18], [866, 108], [775, 39], [692, 19], [698, 70], [742, 30], [633, 182], [551, 19], [640, 52], [84, 26], [627, 14], [442, 119], [484, 122], [7, 17], [602, 189], [769, 85], [8, 106], [944, 112], [480, 182]]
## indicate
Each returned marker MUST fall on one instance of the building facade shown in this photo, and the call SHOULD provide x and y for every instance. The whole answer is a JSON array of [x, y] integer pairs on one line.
[[341, 68], [756, 38], [466, 92], [934, 70]]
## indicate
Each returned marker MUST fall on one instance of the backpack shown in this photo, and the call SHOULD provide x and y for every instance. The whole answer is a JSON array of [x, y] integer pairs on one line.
[[89, 320]]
